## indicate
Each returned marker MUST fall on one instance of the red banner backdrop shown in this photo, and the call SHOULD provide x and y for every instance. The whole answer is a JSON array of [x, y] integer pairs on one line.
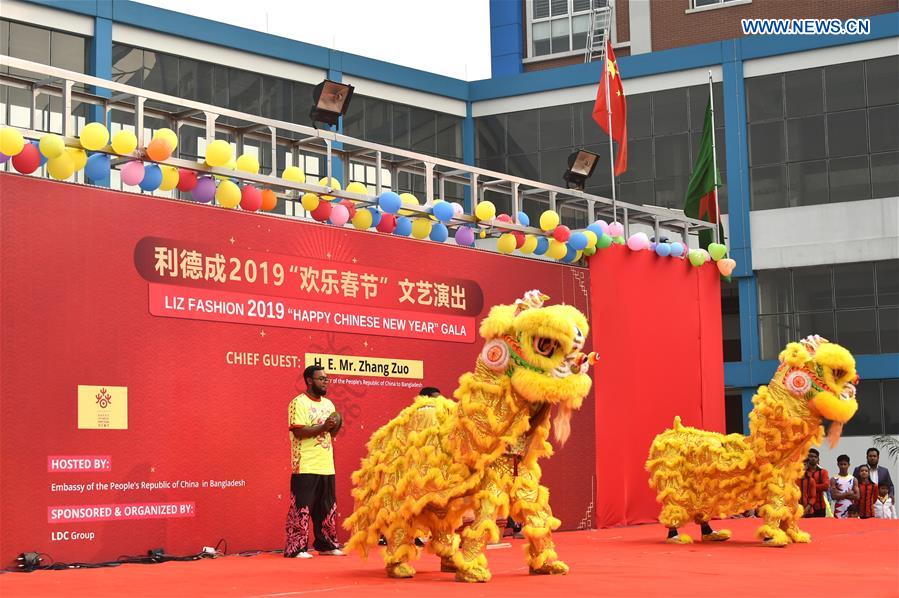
[[657, 327], [150, 348]]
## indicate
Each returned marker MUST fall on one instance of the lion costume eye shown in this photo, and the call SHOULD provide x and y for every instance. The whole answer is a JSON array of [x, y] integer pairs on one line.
[[545, 346]]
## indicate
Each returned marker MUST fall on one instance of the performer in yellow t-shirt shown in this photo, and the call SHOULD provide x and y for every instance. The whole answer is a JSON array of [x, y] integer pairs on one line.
[[313, 423]]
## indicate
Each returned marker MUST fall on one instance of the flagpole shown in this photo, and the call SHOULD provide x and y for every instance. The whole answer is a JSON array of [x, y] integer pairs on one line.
[[714, 163], [605, 73]]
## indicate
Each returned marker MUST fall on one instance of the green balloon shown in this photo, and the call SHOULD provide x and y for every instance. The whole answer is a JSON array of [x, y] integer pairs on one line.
[[588, 251], [717, 251], [696, 257], [604, 241], [619, 240]]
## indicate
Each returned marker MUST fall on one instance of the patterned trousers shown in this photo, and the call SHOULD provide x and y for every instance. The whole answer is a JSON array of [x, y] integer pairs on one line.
[[312, 498]]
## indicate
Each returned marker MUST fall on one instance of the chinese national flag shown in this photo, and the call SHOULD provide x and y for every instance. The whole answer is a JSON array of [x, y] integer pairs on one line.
[[616, 105]]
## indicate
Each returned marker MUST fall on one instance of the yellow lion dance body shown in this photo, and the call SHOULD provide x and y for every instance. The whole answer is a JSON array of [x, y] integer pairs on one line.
[[439, 460], [701, 475]]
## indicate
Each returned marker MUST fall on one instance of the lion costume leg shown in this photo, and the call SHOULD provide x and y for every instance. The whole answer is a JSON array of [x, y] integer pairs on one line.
[[470, 560], [779, 511], [530, 504], [400, 550], [792, 495]]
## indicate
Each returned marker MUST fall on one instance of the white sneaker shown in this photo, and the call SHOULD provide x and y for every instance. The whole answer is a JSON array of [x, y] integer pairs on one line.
[[303, 555], [335, 552]]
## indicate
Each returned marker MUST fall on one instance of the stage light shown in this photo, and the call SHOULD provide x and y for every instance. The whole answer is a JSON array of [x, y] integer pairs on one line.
[[580, 168], [330, 101]]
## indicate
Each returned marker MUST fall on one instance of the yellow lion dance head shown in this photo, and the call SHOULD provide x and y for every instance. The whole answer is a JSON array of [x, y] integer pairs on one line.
[[540, 350]]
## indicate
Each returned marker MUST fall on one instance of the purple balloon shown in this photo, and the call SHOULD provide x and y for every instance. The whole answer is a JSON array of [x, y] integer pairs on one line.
[[3, 158], [204, 192], [465, 236]]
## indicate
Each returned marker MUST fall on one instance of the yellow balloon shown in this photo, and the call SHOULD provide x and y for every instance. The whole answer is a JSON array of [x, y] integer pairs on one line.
[[421, 228], [169, 178], [52, 146], [294, 173], [357, 187], [168, 135], [591, 238], [94, 136], [530, 244], [61, 167], [485, 211], [578, 255], [556, 249], [79, 157], [482, 234], [218, 153], [408, 200], [310, 201], [549, 220], [247, 163], [362, 219], [11, 141], [124, 142], [333, 184], [227, 194], [506, 243]]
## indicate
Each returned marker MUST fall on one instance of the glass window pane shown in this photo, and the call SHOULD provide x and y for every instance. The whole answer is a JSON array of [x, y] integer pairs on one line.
[[449, 136], [764, 97], [302, 102], [639, 116], [882, 76], [849, 179], [162, 73], [220, 86], [812, 288], [847, 133], [804, 92], [774, 291], [555, 127], [128, 65], [768, 186], [523, 131], [195, 80], [854, 285], [845, 86], [497, 164], [639, 160], [885, 175], [553, 164], [400, 125], [890, 390], [29, 43], [424, 131], [672, 156], [884, 127], [525, 166], [805, 138], [377, 121], [856, 331], [774, 334], [540, 35], [491, 132], [541, 9], [766, 143], [582, 5], [887, 282], [699, 97], [354, 119], [888, 323], [669, 111], [670, 192], [68, 51], [808, 183], [560, 30], [640, 192], [4, 39], [579, 27], [820, 323], [867, 421], [276, 98], [559, 7], [246, 91]]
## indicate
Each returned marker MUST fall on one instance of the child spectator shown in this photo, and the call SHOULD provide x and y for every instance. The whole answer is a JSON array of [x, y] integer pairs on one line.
[[883, 506], [843, 489], [867, 493]]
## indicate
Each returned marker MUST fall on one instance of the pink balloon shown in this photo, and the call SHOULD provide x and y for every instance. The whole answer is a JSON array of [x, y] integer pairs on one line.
[[339, 214], [457, 208], [250, 198], [638, 242], [133, 173], [616, 229], [603, 226]]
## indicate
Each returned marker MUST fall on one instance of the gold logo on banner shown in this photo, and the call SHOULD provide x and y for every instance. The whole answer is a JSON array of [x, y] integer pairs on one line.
[[102, 407]]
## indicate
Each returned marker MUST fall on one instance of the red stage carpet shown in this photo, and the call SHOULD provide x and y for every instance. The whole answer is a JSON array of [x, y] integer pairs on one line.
[[861, 558]]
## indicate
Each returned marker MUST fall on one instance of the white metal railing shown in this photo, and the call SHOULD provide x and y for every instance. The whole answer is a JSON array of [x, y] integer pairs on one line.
[[110, 96]]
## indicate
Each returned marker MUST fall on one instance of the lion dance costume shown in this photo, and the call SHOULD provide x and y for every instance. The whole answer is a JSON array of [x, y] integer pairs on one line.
[[439, 460], [699, 475]]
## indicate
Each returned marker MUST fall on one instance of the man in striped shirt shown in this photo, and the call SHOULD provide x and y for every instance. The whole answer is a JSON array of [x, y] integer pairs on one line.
[[822, 483]]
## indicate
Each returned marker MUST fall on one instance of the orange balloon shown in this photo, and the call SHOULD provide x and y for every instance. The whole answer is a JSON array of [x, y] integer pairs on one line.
[[159, 150], [269, 200]]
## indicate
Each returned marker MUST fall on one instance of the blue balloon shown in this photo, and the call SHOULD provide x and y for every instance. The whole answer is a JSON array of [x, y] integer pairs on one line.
[[578, 241], [663, 249], [570, 254], [43, 157], [677, 249], [523, 219], [390, 202], [439, 232], [443, 211], [97, 167], [375, 216], [542, 246], [596, 229], [403, 227], [152, 178]]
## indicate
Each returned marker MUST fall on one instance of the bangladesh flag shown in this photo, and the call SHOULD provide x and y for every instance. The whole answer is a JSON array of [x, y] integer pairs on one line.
[[701, 201]]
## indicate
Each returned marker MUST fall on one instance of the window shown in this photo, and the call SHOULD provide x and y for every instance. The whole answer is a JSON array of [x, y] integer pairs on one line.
[[878, 409], [824, 135], [559, 26], [730, 321], [706, 3], [856, 305]]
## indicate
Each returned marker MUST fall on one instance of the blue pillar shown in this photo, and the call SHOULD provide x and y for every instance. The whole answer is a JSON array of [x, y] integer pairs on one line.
[[506, 37], [335, 73], [100, 64], [468, 149]]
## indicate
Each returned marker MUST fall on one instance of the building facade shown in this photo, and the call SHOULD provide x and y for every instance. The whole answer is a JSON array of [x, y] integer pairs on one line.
[[807, 133]]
